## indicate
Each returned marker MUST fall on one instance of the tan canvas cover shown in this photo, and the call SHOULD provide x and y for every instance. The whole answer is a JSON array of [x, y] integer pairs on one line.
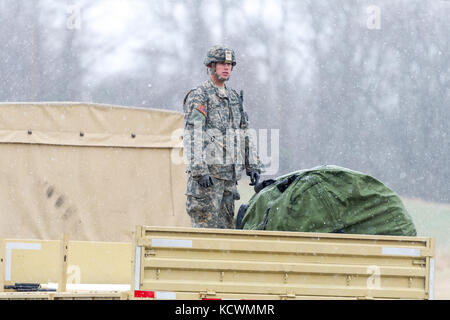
[[91, 171]]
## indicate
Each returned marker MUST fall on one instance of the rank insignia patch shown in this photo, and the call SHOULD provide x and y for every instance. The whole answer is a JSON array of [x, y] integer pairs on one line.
[[202, 109]]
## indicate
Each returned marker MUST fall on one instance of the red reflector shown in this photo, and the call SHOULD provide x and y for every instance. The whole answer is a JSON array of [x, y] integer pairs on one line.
[[144, 294]]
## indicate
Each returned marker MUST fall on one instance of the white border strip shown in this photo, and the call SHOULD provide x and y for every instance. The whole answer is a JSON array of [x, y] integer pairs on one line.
[[172, 243], [100, 287], [137, 268], [165, 295], [9, 247], [431, 281], [400, 251]]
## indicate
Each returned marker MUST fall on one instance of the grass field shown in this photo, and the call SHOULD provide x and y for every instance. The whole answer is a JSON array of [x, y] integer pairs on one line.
[[431, 220]]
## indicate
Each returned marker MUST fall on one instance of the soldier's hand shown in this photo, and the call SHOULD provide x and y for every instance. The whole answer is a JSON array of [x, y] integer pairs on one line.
[[205, 181], [254, 177]]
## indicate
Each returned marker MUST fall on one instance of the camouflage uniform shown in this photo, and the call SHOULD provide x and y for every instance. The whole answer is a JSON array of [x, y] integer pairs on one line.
[[214, 143]]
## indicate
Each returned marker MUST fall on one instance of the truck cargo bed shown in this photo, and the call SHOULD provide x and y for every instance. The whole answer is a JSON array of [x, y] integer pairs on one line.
[[187, 263]]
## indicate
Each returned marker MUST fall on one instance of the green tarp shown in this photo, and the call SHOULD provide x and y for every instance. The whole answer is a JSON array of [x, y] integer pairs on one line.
[[327, 199]]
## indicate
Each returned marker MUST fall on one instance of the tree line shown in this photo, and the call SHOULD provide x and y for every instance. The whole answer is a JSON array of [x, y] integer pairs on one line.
[[359, 84]]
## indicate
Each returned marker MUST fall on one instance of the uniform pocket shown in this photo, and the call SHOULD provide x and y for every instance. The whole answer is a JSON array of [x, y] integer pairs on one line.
[[218, 117], [195, 190]]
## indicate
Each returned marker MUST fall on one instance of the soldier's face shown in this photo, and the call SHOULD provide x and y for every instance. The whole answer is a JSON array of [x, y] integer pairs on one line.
[[223, 69]]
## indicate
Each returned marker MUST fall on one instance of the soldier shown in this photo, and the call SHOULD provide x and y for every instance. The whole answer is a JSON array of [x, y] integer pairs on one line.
[[217, 145]]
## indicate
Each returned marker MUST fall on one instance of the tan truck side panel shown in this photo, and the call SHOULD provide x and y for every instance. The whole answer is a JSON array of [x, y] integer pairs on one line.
[[187, 263], [88, 262]]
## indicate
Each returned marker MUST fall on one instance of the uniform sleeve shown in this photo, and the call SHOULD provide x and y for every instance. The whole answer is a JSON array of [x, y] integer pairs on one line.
[[195, 112]]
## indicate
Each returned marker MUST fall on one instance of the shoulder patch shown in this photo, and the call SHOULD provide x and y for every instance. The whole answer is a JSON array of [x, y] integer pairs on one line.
[[202, 109]]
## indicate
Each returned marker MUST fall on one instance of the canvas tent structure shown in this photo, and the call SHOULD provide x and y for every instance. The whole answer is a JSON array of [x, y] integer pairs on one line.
[[91, 171]]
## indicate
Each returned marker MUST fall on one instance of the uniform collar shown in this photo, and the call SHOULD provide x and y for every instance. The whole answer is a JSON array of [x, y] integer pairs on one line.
[[211, 84]]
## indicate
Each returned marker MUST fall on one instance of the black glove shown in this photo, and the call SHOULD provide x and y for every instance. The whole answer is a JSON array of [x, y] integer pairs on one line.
[[263, 184], [254, 177], [205, 181]]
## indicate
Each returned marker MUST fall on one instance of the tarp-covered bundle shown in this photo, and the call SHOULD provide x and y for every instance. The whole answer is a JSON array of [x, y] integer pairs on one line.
[[89, 170], [327, 199]]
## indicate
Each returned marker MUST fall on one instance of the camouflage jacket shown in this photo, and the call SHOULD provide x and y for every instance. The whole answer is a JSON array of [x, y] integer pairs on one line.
[[217, 139]]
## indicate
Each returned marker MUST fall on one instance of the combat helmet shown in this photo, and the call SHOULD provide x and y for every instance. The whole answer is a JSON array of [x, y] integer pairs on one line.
[[219, 53]]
